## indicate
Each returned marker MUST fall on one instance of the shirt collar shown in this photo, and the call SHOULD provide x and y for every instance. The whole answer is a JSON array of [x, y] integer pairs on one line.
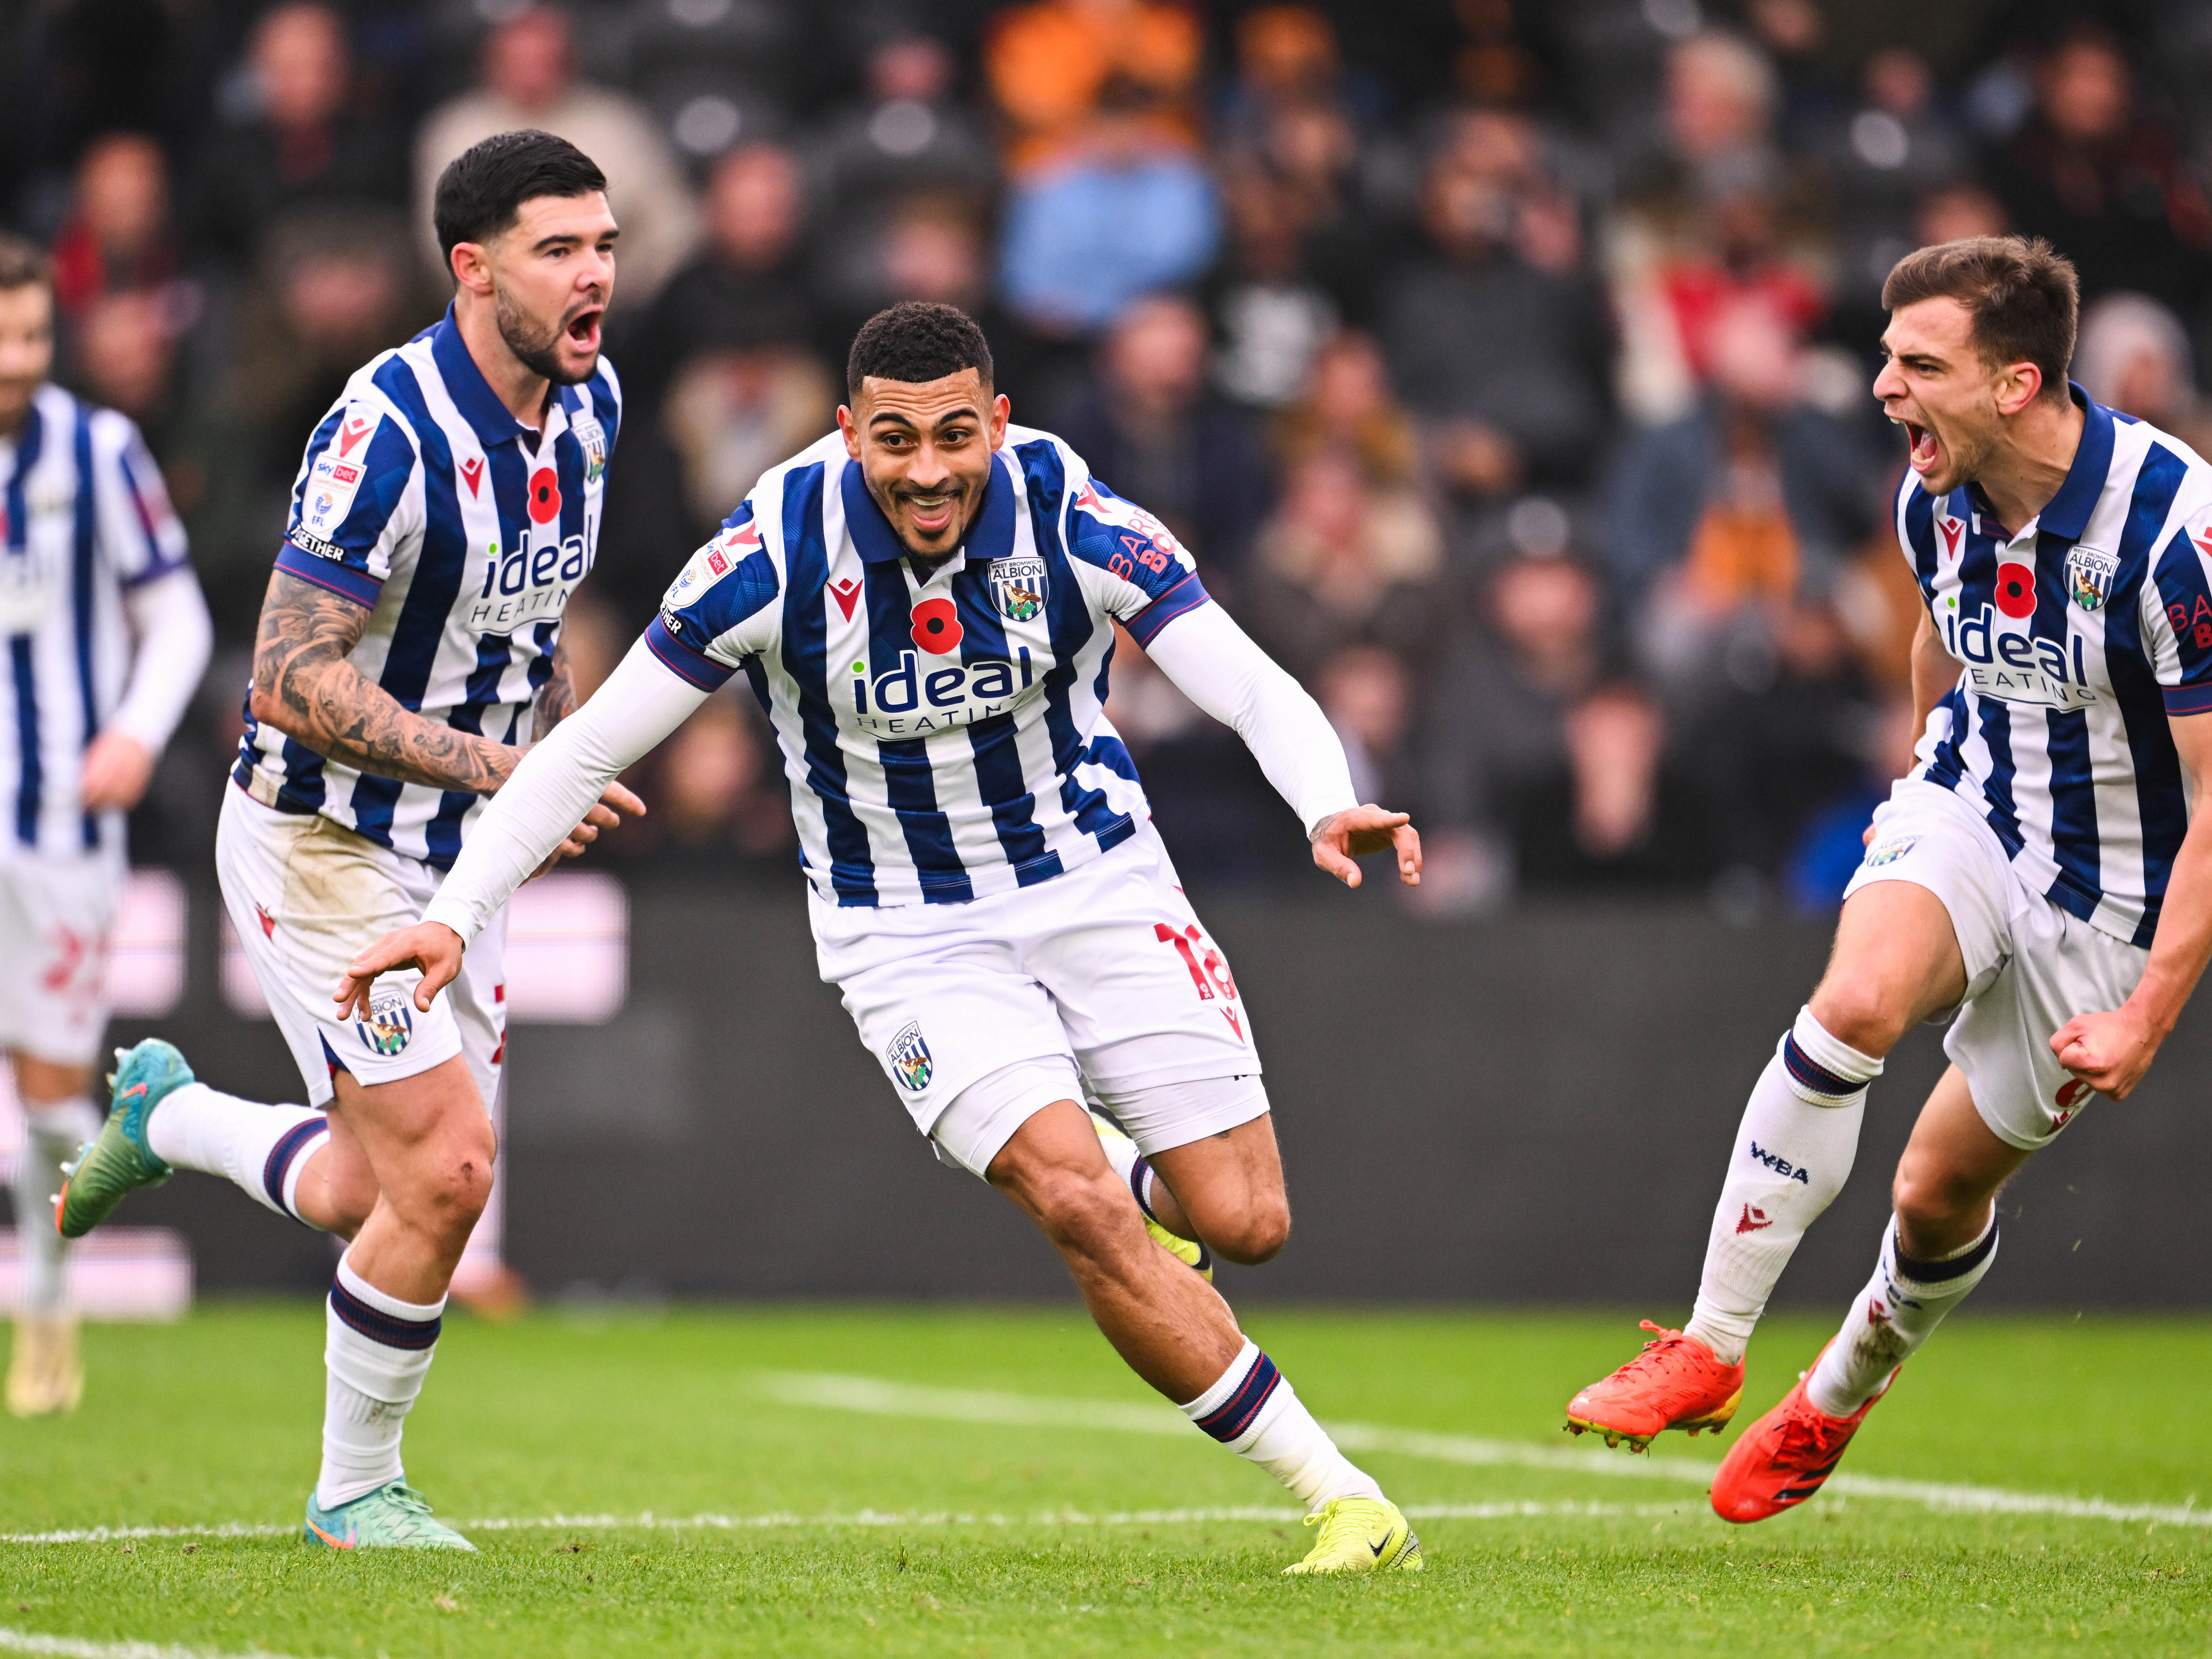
[[472, 393], [991, 536], [2068, 512], [2066, 515]]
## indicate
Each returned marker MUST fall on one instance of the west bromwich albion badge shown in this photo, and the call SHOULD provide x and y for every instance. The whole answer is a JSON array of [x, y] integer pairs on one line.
[[2089, 576], [1017, 587]]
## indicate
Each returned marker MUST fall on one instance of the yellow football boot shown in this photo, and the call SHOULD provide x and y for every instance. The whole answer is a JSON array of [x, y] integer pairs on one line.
[[1360, 1535]]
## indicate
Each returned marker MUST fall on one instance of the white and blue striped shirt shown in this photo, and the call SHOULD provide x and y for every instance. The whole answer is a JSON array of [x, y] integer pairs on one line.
[[2078, 637], [83, 516], [463, 533], [946, 740]]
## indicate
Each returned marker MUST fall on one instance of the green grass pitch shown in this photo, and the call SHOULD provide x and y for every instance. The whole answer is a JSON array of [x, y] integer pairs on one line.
[[668, 1488]]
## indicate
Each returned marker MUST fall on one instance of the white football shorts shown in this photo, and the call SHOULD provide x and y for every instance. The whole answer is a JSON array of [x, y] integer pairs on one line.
[[56, 914], [2030, 966], [1103, 972], [305, 896]]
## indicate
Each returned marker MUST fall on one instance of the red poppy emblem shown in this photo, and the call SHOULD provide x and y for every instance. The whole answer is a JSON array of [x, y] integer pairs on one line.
[[545, 495], [2016, 590], [937, 626]]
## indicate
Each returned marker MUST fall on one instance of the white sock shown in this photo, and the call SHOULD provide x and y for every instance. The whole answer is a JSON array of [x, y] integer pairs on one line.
[[262, 1149], [52, 1135], [1899, 1310], [377, 1351], [1252, 1409], [1792, 1152]]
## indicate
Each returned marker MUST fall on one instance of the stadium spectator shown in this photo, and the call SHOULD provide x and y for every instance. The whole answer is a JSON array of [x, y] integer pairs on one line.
[[907, 135], [1121, 217], [1881, 156], [529, 79], [1062, 71], [1616, 815], [1500, 354], [1345, 561], [750, 285], [1753, 498], [302, 147], [1349, 408], [1149, 424], [1369, 697], [2134, 356], [1496, 730], [2104, 178], [1269, 307], [118, 237]]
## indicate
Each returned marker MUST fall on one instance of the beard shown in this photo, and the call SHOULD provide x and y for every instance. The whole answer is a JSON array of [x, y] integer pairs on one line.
[[536, 345]]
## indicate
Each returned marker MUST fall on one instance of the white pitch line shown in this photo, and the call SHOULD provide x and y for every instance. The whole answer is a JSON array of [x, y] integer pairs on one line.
[[73, 1647], [879, 1397], [649, 1522]]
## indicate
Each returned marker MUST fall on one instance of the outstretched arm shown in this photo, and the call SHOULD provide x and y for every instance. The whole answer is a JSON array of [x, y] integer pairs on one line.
[[2111, 1051], [174, 637], [1215, 664], [304, 686], [557, 782]]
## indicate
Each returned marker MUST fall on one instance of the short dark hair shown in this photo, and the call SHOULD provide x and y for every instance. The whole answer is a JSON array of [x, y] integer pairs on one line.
[[483, 189], [2023, 294], [24, 264], [916, 342]]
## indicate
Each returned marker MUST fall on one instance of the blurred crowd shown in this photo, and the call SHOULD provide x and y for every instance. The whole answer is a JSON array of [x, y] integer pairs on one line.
[[1504, 363]]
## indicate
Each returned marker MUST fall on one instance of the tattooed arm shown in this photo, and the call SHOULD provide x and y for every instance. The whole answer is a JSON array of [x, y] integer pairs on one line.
[[557, 699], [304, 686]]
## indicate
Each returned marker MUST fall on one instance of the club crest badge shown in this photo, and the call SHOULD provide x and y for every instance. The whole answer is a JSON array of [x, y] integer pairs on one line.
[[909, 1058], [1018, 588], [592, 437], [1890, 851], [390, 1023], [2089, 576]]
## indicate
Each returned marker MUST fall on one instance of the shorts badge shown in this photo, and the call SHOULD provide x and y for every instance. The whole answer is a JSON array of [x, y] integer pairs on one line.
[[909, 1058], [1018, 588], [390, 1023], [2089, 576], [1890, 851]]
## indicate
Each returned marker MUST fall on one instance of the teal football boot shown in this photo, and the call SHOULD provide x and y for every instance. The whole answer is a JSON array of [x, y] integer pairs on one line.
[[395, 1517], [118, 1161]]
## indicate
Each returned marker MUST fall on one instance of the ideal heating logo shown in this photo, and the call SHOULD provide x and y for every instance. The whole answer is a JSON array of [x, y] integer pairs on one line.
[[911, 701], [2020, 667]]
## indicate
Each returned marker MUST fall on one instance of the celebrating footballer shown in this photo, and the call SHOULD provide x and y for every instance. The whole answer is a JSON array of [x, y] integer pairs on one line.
[[2036, 879], [925, 604]]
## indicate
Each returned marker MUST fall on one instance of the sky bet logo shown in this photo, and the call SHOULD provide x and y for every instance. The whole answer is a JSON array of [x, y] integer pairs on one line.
[[2020, 667], [912, 701]]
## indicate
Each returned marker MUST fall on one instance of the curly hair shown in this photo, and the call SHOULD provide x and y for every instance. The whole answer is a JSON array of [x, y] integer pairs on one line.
[[916, 342]]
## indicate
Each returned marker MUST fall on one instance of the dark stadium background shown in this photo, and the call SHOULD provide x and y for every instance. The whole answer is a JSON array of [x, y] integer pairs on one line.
[[1504, 364]]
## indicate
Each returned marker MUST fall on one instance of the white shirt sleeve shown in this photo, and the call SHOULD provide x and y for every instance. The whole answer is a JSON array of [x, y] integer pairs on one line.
[[558, 782], [1214, 663], [174, 640]]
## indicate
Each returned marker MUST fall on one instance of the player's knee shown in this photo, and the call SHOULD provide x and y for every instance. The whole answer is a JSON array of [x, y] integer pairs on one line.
[[1080, 1212], [1856, 1007], [453, 1183], [1257, 1234], [1926, 1195]]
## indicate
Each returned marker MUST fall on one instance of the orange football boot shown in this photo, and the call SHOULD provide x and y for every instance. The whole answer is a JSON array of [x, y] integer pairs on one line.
[[1674, 1384], [1786, 1456]]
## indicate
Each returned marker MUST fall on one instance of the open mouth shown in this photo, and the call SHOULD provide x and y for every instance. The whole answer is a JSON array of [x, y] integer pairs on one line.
[[1925, 451], [583, 328], [932, 514]]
